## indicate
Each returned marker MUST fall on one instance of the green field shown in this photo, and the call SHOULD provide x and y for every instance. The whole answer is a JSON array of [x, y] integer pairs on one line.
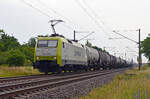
[[6, 71], [133, 84]]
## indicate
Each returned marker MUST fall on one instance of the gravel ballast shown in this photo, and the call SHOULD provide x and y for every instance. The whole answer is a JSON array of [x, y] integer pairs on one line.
[[73, 90]]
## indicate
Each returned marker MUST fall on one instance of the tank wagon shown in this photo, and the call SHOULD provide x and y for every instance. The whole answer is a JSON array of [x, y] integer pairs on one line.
[[57, 54]]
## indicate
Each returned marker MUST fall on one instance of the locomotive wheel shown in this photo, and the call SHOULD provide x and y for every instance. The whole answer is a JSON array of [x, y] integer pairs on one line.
[[46, 73], [59, 71], [86, 69], [104, 68]]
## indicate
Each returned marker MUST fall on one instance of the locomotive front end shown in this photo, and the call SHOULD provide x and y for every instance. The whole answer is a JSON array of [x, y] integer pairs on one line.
[[47, 56]]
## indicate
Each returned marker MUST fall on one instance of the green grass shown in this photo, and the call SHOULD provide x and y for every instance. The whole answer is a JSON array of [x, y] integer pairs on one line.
[[130, 85], [6, 71]]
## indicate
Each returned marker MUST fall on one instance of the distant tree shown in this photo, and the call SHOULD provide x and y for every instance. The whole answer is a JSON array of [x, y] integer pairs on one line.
[[3, 58], [2, 31], [95, 47], [16, 58], [88, 44], [28, 52], [8, 42], [99, 49], [146, 47], [32, 42], [13, 53]]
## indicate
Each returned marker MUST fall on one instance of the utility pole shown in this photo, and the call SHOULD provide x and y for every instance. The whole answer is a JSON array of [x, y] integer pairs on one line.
[[139, 59], [74, 35], [81, 32], [104, 48], [139, 43]]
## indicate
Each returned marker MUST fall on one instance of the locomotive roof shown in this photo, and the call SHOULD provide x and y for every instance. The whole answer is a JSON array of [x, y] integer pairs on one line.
[[52, 38]]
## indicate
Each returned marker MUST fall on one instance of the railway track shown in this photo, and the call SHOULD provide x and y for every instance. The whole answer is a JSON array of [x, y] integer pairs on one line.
[[8, 80], [15, 90]]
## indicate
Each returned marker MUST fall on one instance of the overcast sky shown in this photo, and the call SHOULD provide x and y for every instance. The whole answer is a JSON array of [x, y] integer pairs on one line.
[[101, 16]]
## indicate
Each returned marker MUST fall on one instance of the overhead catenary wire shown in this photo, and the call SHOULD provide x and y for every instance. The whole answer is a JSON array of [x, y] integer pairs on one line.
[[42, 12], [54, 11], [94, 13], [37, 9], [125, 37], [49, 8], [96, 16], [86, 36], [59, 15], [129, 48], [92, 18]]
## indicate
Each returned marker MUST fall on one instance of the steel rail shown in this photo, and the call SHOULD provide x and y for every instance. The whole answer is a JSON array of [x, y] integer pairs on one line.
[[23, 78]]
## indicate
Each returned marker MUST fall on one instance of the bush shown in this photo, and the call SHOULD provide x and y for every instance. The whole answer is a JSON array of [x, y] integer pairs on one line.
[[3, 58], [28, 52], [27, 63], [16, 58]]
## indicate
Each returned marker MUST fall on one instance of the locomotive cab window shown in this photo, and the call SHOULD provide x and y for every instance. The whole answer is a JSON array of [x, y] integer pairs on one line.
[[52, 43], [47, 43], [42, 43]]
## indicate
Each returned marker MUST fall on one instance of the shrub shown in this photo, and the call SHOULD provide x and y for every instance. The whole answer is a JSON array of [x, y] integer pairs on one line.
[[3, 58], [28, 52], [27, 63], [16, 58]]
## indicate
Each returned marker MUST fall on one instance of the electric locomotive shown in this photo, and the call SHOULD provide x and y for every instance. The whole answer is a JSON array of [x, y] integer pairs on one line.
[[56, 53]]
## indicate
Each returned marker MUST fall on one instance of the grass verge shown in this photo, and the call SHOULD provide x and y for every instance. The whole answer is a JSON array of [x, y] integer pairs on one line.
[[6, 71], [133, 84]]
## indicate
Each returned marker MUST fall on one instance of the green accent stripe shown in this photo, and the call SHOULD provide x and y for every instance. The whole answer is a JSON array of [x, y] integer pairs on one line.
[[46, 58]]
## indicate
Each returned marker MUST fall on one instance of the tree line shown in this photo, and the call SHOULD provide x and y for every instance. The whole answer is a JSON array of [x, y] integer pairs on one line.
[[146, 47], [95, 47], [13, 53]]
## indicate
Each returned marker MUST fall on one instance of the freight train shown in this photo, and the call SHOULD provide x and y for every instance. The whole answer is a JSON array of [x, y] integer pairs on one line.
[[56, 54]]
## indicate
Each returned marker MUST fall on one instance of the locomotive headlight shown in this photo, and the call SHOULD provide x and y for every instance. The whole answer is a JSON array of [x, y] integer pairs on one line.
[[54, 58], [37, 58]]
